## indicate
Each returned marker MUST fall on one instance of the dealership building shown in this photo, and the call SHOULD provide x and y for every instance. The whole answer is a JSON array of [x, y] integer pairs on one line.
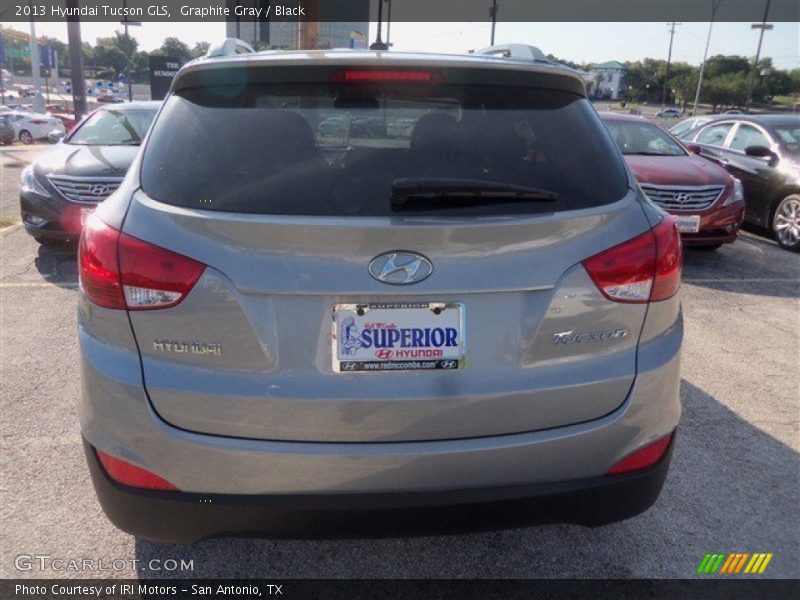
[[331, 30]]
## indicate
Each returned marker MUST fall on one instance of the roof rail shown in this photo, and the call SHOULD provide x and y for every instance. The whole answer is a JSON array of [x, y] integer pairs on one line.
[[230, 47], [515, 52]]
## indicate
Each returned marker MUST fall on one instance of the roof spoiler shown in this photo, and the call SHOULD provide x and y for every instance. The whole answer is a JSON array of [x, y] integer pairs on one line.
[[230, 47], [521, 52]]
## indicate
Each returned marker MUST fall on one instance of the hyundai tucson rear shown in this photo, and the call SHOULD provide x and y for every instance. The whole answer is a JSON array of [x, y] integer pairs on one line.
[[349, 292]]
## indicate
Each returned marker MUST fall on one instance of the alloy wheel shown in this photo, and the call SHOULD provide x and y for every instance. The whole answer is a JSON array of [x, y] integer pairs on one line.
[[787, 222]]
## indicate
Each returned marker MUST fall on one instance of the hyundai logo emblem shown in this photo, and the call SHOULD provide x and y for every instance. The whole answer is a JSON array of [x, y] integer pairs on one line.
[[400, 268], [682, 197], [98, 189]]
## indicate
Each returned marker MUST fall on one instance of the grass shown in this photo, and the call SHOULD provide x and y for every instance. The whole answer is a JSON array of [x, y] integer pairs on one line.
[[785, 100]]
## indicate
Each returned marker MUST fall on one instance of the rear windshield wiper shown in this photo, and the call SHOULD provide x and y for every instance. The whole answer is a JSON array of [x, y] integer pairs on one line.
[[470, 190]]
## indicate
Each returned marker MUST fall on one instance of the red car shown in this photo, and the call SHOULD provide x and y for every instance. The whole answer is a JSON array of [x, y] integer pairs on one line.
[[63, 114], [706, 201]]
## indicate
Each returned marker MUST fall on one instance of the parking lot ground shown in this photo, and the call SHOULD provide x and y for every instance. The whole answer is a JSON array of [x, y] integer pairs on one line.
[[733, 487], [12, 160]]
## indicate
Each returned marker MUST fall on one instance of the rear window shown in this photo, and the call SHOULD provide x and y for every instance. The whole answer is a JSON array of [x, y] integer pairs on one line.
[[340, 149]]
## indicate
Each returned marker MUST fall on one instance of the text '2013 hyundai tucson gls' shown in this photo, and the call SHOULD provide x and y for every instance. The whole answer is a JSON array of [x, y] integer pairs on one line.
[[288, 327]]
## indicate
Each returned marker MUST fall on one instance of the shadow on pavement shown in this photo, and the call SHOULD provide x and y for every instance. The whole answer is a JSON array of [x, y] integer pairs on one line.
[[58, 264], [758, 268], [731, 488]]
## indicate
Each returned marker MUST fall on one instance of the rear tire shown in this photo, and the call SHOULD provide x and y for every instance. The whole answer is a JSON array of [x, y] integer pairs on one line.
[[25, 137], [786, 223]]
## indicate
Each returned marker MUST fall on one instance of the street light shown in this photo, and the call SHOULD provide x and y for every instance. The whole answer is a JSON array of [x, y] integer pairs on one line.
[[714, 6]]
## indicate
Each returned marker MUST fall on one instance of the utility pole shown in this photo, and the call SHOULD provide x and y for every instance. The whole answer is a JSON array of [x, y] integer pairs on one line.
[[752, 82], [493, 14], [76, 60], [714, 6], [126, 23], [38, 105], [672, 26]]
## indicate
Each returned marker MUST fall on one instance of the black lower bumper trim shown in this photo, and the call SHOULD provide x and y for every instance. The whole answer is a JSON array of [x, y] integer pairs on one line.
[[188, 517]]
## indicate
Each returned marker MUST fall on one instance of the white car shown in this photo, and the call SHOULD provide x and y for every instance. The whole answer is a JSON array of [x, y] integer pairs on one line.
[[29, 127]]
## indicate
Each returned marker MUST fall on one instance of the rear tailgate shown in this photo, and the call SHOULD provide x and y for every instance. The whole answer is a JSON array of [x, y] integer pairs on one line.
[[249, 352]]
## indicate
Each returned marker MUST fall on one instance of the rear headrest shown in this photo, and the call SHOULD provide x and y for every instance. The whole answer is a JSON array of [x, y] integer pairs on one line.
[[434, 129], [287, 130]]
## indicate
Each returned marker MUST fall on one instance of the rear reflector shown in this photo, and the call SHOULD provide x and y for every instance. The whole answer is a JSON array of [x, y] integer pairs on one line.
[[119, 271], [128, 474], [387, 76], [645, 268], [643, 457]]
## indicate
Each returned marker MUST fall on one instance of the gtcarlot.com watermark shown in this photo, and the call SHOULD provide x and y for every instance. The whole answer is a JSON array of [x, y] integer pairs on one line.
[[46, 562]]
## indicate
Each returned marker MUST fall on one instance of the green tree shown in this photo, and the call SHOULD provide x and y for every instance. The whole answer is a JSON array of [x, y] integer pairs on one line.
[[174, 48], [109, 57], [729, 89]]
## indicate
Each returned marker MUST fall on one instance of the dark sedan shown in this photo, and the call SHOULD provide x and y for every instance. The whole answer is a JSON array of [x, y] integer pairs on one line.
[[763, 151], [67, 182]]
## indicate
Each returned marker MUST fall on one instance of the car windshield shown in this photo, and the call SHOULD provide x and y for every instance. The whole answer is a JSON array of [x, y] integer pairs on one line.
[[343, 149], [109, 127], [789, 137], [647, 139]]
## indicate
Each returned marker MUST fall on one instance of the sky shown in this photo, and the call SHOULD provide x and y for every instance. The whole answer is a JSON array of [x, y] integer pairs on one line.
[[578, 42]]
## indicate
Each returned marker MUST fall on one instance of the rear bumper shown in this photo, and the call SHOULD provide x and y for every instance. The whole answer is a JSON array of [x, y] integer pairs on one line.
[[241, 485], [179, 517]]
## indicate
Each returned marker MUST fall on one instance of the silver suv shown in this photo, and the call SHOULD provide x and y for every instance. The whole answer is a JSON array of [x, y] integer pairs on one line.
[[358, 292]]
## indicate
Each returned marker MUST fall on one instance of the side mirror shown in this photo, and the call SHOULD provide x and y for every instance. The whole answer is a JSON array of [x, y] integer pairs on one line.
[[694, 148], [759, 151], [55, 136], [762, 152]]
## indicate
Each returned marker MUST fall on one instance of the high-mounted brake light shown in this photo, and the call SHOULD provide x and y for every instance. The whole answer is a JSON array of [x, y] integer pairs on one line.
[[387, 76], [128, 474], [642, 458], [645, 268], [119, 271]]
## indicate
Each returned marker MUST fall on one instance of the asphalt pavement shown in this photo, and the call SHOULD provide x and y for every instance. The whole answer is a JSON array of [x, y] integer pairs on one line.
[[734, 484]]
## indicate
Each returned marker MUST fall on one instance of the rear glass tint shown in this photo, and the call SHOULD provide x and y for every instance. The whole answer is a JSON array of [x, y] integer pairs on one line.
[[335, 149]]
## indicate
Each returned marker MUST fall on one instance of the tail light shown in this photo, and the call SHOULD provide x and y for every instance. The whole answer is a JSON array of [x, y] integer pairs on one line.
[[39, 122], [645, 268], [119, 271], [128, 474], [642, 458], [387, 76]]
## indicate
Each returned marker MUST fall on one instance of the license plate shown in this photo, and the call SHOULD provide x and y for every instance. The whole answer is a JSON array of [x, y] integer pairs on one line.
[[421, 336], [688, 224]]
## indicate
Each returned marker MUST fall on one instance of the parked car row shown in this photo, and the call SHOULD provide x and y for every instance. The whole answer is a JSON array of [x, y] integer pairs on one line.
[[763, 152], [707, 202]]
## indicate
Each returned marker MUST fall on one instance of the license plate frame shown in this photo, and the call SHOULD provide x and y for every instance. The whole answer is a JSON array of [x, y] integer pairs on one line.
[[446, 314], [688, 223]]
